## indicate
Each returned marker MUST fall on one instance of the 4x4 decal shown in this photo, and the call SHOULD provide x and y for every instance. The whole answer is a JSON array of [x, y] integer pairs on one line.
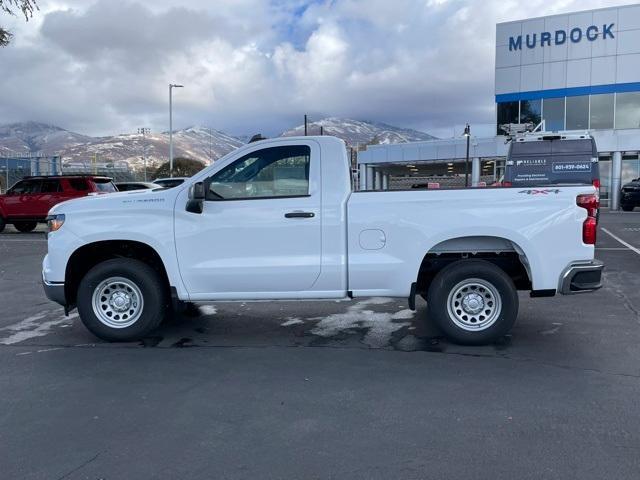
[[544, 191]]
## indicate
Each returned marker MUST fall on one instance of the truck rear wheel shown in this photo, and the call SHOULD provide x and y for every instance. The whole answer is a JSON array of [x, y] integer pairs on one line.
[[122, 300], [473, 302], [25, 227], [3, 223]]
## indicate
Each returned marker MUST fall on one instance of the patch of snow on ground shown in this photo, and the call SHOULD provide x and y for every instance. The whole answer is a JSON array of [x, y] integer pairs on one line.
[[292, 321], [31, 327], [380, 325], [208, 309]]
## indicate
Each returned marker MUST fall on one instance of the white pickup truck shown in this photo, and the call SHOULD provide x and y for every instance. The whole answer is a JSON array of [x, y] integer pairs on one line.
[[278, 220]]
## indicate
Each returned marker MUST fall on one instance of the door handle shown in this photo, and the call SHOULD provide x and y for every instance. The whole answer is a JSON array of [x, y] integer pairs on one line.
[[299, 215]]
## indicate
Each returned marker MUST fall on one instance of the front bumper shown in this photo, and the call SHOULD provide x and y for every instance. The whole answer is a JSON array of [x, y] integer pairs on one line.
[[581, 278], [54, 292]]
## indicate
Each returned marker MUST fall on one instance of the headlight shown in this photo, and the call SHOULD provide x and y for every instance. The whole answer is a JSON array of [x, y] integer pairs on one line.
[[54, 222]]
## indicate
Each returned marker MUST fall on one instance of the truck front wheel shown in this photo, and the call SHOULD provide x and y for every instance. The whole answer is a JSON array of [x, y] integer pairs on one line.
[[122, 300], [473, 302]]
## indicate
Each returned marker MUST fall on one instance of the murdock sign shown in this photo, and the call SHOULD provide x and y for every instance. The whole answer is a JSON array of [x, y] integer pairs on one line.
[[559, 37]]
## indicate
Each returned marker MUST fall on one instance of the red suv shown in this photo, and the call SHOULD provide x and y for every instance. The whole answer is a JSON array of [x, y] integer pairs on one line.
[[29, 201]]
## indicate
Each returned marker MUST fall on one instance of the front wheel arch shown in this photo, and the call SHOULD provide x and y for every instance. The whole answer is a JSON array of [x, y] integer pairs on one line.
[[86, 257]]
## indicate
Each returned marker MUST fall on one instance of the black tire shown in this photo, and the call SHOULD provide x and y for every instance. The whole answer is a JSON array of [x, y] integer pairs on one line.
[[3, 223], [484, 275], [25, 227], [627, 208], [143, 277]]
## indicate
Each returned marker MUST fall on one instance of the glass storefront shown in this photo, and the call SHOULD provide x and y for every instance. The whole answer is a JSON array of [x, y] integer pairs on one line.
[[602, 111], [553, 113], [597, 112], [630, 168], [577, 113], [508, 112], [531, 111], [628, 110], [605, 178]]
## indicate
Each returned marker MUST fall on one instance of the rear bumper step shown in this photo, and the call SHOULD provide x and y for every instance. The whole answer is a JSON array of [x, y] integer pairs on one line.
[[581, 278]]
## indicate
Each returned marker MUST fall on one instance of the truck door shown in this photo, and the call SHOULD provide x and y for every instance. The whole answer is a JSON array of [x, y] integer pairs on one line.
[[260, 228]]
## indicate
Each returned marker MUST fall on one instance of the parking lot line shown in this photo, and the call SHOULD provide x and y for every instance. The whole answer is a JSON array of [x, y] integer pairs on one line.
[[629, 246]]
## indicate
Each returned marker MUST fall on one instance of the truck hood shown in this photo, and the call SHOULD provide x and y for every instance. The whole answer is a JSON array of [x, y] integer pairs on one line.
[[117, 201]]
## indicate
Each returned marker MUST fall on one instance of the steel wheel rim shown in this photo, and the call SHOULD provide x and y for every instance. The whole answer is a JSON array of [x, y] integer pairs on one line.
[[117, 302], [474, 304]]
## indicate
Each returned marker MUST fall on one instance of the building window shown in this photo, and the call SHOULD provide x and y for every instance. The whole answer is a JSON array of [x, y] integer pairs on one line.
[[604, 168], [628, 110], [553, 113], [530, 111], [630, 168], [602, 111], [578, 113], [507, 113]]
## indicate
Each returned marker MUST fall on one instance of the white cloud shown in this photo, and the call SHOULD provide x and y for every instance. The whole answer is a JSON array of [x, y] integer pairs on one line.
[[250, 65]]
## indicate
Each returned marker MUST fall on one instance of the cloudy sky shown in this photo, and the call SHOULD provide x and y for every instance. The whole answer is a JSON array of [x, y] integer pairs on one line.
[[102, 67]]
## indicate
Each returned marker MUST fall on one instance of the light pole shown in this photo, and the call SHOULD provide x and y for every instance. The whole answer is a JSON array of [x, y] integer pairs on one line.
[[144, 131], [171, 87], [467, 133]]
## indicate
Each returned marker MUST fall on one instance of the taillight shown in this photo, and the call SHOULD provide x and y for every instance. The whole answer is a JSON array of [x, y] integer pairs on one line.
[[590, 203], [589, 228], [596, 183]]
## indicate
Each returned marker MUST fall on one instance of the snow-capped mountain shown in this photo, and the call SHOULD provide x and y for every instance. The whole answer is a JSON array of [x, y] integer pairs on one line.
[[199, 143], [355, 132], [31, 137]]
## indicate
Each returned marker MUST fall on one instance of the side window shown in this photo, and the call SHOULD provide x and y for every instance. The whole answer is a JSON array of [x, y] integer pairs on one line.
[[51, 186], [270, 172], [26, 186], [79, 184], [18, 188]]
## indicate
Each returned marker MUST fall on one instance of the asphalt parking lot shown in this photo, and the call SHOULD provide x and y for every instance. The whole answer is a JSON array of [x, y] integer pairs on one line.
[[363, 389]]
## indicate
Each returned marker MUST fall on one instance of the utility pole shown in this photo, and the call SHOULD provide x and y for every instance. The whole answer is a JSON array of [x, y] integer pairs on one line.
[[210, 144], [144, 132], [467, 133], [305, 125], [171, 87]]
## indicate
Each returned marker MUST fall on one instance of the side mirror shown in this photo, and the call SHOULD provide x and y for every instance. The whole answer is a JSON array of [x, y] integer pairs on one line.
[[196, 191], [196, 198]]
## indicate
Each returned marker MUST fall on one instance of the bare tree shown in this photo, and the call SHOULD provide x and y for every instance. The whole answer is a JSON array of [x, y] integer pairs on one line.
[[27, 7]]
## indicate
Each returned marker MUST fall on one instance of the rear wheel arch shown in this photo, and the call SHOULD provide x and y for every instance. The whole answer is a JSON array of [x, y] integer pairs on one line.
[[500, 251], [88, 256]]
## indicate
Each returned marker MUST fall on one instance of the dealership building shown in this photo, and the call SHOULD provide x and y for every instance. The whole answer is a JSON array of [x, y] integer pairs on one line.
[[577, 71]]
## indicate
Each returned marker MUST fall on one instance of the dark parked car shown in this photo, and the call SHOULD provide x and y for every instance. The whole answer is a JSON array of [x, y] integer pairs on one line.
[[170, 182], [129, 186], [28, 202], [630, 195]]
